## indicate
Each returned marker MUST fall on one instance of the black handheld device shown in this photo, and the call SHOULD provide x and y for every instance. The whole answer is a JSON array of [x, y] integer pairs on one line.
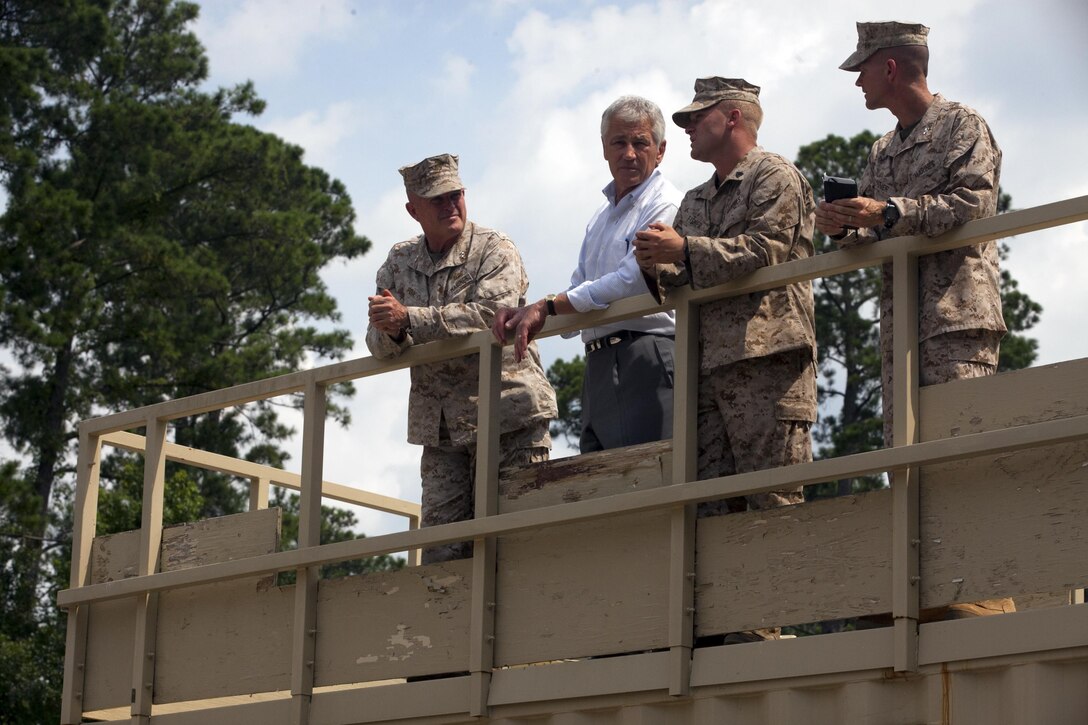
[[836, 187]]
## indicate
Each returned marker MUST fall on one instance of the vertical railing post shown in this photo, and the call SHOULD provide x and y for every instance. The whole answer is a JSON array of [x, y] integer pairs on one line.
[[147, 605], [905, 482], [304, 632], [415, 556], [258, 493], [682, 520], [482, 612], [84, 521]]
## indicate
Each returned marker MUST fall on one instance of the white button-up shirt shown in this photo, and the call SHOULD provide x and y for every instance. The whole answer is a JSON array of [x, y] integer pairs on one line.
[[607, 270]]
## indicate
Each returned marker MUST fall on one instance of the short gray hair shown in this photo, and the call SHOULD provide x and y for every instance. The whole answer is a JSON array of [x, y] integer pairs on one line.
[[632, 109]]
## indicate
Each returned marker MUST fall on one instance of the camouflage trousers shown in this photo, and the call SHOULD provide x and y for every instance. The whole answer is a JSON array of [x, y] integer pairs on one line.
[[449, 480], [941, 359], [756, 414]]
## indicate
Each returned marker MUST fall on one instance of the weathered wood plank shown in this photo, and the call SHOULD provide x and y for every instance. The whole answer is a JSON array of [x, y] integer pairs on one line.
[[806, 563], [1007, 526], [238, 630], [1012, 525], [192, 621], [229, 638], [583, 589], [111, 637], [393, 624], [592, 475], [224, 538], [1009, 399]]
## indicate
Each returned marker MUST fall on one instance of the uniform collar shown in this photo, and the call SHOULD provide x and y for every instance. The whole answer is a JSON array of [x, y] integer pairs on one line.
[[749, 162], [454, 256], [923, 130]]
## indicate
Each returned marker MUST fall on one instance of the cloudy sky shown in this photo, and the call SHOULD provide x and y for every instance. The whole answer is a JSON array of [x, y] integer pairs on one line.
[[516, 88]]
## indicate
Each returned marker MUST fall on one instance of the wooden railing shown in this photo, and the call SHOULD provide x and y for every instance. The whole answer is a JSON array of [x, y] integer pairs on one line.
[[679, 501]]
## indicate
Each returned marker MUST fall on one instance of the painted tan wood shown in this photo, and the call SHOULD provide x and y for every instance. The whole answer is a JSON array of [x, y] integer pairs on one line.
[[84, 521], [229, 627], [1008, 526], [583, 589], [684, 468], [108, 679], [567, 592], [593, 475], [115, 557], [229, 638], [1051, 479], [393, 624], [224, 538], [110, 639], [983, 519], [262, 475], [1015, 398], [807, 563]]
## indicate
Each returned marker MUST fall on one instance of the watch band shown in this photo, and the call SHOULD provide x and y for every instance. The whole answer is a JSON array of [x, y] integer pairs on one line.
[[549, 301]]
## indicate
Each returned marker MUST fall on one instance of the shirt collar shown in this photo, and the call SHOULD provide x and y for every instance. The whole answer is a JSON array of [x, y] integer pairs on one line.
[[609, 189]]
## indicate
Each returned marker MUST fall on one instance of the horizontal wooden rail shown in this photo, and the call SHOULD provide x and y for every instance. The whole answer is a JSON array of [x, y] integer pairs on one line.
[[860, 464], [275, 476]]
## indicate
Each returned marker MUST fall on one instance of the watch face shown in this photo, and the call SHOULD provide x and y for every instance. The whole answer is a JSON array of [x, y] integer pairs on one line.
[[891, 215]]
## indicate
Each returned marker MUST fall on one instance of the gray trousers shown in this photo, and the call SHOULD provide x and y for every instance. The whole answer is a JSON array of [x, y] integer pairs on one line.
[[627, 393]]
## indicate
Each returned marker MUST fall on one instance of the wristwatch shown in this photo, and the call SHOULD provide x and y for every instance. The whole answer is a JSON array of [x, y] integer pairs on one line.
[[891, 214], [549, 301]]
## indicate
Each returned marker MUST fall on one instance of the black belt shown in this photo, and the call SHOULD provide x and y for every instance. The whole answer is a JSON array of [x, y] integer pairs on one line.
[[615, 339]]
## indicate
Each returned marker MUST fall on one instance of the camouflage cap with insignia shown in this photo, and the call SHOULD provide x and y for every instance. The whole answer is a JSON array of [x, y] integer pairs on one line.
[[433, 176], [877, 36], [709, 91]]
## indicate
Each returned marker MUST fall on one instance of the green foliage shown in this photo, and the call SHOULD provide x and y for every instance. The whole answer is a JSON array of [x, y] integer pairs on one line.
[[566, 379], [1021, 313], [31, 631]]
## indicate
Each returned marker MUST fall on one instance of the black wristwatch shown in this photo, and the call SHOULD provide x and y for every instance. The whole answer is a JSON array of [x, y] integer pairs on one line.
[[549, 302], [891, 214]]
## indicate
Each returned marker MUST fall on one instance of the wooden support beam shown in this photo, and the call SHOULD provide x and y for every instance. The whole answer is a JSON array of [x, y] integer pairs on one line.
[[147, 605], [482, 615], [682, 523], [905, 484], [303, 633], [84, 523]]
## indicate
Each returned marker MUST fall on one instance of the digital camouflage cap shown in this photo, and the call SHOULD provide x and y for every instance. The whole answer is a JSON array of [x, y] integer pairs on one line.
[[877, 36], [432, 176], [709, 91]]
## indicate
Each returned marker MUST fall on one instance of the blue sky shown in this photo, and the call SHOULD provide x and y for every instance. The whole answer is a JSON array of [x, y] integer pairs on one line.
[[516, 88]]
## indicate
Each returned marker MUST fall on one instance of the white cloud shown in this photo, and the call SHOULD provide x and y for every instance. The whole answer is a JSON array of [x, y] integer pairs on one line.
[[320, 134], [258, 39], [456, 77]]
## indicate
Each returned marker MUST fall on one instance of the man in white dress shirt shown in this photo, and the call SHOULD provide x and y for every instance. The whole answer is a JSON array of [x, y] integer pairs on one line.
[[627, 389]]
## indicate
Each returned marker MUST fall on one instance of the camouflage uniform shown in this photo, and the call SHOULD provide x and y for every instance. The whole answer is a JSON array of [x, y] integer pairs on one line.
[[757, 381], [455, 296], [944, 174]]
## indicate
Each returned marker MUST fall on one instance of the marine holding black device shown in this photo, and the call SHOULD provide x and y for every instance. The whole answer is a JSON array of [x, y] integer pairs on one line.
[[837, 187]]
